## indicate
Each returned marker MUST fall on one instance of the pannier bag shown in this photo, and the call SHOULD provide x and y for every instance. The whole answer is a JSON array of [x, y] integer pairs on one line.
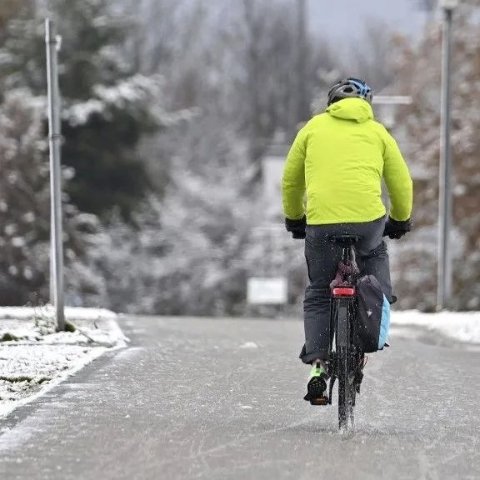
[[373, 320]]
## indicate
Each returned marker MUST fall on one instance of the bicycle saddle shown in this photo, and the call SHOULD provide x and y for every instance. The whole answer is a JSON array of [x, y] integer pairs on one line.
[[345, 240]]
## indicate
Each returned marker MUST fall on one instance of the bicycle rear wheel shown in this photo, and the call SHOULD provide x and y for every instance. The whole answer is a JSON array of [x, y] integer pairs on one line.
[[345, 393]]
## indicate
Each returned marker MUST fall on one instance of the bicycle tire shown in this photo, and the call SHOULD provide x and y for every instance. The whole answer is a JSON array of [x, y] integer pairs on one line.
[[344, 366], [342, 391], [342, 323]]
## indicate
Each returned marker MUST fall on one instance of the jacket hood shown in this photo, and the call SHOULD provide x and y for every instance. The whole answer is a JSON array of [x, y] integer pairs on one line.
[[351, 109]]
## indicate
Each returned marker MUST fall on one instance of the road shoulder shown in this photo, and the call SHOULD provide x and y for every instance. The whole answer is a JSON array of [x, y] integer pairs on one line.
[[34, 358]]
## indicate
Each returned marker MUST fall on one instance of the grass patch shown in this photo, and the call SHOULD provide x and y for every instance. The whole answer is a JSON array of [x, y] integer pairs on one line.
[[70, 327], [25, 378], [8, 337]]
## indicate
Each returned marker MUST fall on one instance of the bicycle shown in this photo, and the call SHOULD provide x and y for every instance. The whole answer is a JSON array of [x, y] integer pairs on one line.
[[345, 359]]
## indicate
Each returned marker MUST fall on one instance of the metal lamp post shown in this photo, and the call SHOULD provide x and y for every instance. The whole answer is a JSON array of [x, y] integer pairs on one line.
[[52, 45], [444, 265]]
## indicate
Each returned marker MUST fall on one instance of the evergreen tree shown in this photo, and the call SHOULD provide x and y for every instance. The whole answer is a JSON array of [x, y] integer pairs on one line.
[[25, 214], [106, 108], [24, 201]]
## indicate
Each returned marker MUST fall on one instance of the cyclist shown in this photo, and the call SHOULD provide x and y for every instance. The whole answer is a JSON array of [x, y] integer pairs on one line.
[[332, 185]]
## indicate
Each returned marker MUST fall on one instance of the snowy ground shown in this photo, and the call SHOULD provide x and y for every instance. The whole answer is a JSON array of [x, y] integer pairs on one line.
[[34, 357], [459, 326]]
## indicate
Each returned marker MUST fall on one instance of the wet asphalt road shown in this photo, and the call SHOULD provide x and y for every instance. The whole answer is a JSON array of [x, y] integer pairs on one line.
[[222, 399]]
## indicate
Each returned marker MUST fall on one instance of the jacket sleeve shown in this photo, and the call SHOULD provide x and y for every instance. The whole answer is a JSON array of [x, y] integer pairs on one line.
[[398, 180], [293, 181]]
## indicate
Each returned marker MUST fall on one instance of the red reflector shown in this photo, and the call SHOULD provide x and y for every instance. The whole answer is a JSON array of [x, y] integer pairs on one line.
[[343, 291]]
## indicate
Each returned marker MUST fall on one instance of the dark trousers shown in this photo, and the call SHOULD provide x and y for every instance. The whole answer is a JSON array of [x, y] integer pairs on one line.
[[322, 260]]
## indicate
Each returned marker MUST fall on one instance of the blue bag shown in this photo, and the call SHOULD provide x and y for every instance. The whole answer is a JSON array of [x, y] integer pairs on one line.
[[373, 317]]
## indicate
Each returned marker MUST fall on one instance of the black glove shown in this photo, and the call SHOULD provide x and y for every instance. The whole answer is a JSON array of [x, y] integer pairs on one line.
[[396, 229], [296, 227]]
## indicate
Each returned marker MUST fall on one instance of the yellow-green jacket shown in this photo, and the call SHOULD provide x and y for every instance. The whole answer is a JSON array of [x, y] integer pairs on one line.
[[338, 159]]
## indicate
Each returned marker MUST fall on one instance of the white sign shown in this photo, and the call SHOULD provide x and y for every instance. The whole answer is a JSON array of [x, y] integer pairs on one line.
[[267, 291], [449, 4]]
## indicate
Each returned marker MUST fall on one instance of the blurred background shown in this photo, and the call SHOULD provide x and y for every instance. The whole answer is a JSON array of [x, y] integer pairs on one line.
[[177, 116]]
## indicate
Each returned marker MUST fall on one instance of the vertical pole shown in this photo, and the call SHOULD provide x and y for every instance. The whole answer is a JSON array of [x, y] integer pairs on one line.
[[55, 173], [444, 265], [253, 29], [303, 106]]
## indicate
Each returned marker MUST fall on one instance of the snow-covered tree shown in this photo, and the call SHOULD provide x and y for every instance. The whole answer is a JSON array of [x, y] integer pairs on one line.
[[186, 257], [106, 105], [25, 213], [418, 127], [190, 192], [24, 200]]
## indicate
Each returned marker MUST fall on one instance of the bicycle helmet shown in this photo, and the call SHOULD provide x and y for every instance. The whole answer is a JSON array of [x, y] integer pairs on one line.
[[350, 87]]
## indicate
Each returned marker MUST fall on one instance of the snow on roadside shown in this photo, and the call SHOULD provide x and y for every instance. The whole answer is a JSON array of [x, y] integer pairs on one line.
[[34, 357], [460, 326], [27, 324], [72, 313]]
